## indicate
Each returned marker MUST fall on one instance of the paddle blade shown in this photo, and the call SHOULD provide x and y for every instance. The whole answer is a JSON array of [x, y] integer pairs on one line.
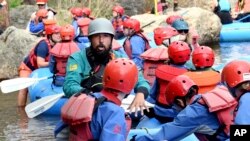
[[16, 84], [41, 105]]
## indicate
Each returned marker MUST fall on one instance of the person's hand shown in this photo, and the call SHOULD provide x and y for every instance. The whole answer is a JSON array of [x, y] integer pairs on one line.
[[33, 17], [235, 15], [3, 2], [138, 104]]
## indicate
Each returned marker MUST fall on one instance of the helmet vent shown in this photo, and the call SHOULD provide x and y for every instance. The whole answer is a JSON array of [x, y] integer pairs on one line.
[[239, 72]]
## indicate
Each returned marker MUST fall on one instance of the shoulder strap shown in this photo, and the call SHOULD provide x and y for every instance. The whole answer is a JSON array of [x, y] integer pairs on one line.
[[99, 101]]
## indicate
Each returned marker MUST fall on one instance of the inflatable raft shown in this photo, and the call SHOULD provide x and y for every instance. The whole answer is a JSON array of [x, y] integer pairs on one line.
[[235, 32], [46, 88]]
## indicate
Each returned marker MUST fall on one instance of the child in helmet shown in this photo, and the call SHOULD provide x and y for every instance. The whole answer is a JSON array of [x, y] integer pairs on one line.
[[38, 57], [165, 35], [182, 27], [235, 75], [82, 39], [60, 53], [35, 18], [117, 21], [179, 53], [76, 13], [198, 114], [36, 26], [136, 43], [203, 75], [108, 118]]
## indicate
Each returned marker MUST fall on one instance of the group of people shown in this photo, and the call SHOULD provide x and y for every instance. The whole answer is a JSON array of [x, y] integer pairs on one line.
[[227, 14], [186, 101]]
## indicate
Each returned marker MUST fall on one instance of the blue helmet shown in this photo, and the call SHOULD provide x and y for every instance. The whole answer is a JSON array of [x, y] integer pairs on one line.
[[180, 24]]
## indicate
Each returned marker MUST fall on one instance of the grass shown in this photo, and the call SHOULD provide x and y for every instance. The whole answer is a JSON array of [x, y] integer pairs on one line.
[[14, 3]]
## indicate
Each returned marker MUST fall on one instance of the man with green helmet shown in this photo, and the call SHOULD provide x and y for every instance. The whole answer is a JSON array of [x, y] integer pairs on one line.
[[85, 68]]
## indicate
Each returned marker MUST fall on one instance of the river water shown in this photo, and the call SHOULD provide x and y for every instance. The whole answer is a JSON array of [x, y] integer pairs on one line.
[[15, 126]]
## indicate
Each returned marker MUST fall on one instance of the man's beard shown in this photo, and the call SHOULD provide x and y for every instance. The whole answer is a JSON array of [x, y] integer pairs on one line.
[[101, 55]]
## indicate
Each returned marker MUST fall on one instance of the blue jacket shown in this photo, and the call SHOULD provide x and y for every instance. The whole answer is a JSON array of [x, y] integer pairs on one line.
[[76, 29], [36, 28], [138, 47], [243, 113], [82, 42], [194, 118], [108, 122]]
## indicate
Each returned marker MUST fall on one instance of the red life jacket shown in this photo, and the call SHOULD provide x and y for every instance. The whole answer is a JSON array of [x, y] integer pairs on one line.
[[61, 52], [220, 101], [33, 56], [118, 23], [79, 121], [127, 44], [153, 58], [164, 73]]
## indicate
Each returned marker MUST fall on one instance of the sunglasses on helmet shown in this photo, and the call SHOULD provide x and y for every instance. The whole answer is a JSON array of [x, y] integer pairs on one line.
[[40, 5], [183, 31]]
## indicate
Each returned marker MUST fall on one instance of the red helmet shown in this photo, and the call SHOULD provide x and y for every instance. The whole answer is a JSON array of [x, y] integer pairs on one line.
[[163, 33], [41, 1], [132, 24], [179, 52], [48, 22], [52, 29], [120, 74], [42, 13], [172, 18], [67, 31], [83, 23], [203, 56], [76, 11], [86, 11], [118, 9], [178, 87], [235, 72]]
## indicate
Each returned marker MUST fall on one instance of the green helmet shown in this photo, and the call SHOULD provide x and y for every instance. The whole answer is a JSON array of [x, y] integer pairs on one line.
[[100, 25]]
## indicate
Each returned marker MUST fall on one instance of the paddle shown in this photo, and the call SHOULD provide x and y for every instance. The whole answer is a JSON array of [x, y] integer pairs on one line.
[[16, 84], [239, 20], [41, 105]]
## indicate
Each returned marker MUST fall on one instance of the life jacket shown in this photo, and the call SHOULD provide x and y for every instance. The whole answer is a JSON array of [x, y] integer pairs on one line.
[[118, 23], [61, 52], [32, 64], [224, 5], [94, 82], [205, 80], [127, 44], [79, 121], [221, 102], [164, 74], [153, 58]]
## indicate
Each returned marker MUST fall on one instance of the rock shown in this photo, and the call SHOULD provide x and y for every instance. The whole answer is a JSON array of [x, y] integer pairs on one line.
[[133, 7], [20, 16], [14, 45], [205, 22], [147, 18]]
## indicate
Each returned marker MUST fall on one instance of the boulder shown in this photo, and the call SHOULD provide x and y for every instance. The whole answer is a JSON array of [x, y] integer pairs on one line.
[[204, 22], [14, 45], [20, 16]]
